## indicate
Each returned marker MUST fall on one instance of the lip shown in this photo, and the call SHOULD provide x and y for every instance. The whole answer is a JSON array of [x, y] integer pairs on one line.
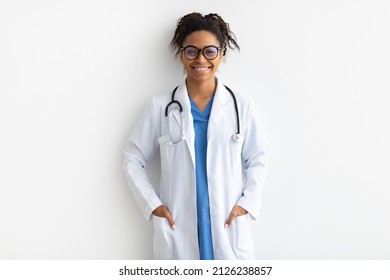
[[201, 68]]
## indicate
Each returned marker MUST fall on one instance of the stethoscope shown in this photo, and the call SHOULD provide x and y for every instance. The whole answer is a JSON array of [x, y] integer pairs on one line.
[[174, 104]]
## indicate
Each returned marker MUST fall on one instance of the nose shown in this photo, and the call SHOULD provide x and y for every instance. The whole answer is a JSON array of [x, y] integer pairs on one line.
[[201, 57]]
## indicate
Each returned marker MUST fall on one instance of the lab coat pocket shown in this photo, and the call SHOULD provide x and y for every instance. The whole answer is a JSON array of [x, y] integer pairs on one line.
[[243, 238], [161, 239], [165, 151]]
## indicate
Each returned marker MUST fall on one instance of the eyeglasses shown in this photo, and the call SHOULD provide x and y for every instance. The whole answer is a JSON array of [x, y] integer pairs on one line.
[[192, 52]]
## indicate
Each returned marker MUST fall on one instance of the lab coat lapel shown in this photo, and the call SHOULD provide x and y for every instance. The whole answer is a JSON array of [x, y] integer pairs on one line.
[[219, 109], [188, 124]]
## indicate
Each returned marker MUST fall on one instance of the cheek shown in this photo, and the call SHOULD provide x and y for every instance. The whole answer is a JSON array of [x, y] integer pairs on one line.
[[217, 63], [183, 61]]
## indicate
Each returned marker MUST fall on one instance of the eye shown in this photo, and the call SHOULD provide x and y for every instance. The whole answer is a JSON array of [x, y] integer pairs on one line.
[[211, 51], [191, 52]]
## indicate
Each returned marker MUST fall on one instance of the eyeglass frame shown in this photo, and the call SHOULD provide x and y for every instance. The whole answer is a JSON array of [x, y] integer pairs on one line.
[[200, 51]]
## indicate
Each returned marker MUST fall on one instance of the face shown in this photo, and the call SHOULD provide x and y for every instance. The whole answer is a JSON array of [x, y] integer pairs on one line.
[[201, 69]]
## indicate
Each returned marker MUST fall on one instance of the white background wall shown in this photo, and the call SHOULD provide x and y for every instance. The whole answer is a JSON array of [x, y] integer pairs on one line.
[[75, 76]]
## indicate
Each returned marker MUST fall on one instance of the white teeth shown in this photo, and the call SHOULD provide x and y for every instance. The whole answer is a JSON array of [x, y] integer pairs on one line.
[[201, 69]]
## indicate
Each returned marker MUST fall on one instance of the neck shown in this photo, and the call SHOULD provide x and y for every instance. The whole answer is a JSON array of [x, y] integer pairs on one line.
[[203, 89]]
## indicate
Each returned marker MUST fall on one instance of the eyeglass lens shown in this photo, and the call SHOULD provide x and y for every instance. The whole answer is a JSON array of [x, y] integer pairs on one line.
[[210, 52]]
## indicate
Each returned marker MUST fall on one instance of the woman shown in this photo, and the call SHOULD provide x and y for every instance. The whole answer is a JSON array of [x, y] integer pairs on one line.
[[212, 154]]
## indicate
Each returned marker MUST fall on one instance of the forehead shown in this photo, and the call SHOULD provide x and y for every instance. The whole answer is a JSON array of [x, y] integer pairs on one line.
[[201, 39]]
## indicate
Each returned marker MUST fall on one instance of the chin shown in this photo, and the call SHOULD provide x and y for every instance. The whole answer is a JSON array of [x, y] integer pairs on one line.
[[202, 78]]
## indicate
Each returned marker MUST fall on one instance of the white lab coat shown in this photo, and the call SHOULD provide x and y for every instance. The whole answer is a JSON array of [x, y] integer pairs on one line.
[[236, 173]]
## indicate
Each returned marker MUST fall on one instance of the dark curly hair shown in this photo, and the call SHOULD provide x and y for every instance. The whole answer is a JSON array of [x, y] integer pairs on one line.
[[197, 22]]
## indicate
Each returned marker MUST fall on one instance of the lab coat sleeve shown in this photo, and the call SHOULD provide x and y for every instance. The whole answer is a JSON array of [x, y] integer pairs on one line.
[[140, 149], [254, 154]]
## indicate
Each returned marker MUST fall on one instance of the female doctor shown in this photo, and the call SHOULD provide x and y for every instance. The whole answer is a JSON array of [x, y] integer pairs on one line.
[[212, 154]]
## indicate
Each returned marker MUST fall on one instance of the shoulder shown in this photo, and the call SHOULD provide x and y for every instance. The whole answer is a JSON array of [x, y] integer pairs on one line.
[[245, 105], [243, 100], [160, 100]]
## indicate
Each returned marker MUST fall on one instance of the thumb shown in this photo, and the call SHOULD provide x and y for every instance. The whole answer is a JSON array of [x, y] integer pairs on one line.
[[230, 219], [171, 222]]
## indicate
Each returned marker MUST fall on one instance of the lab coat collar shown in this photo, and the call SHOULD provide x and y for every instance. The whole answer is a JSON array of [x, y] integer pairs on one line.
[[221, 99], [221, 96]]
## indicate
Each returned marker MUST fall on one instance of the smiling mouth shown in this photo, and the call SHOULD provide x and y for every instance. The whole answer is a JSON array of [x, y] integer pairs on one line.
[[201, 69]]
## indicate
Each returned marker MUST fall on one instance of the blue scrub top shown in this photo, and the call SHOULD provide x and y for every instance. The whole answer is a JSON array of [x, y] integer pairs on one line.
[[201, 120]]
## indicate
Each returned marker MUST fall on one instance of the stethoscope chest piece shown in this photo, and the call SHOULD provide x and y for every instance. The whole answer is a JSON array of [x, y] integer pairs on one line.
[[237, 137]]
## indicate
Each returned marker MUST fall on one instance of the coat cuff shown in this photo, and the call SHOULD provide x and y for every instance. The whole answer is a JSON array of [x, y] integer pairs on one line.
[[253, 210], [149, 208]]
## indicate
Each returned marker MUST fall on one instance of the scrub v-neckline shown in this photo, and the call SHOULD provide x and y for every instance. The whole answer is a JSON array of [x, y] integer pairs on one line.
[[206, 110]]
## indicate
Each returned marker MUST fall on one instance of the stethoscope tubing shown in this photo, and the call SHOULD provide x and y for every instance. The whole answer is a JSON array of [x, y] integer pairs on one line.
[[173, 101], [236, 109]]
